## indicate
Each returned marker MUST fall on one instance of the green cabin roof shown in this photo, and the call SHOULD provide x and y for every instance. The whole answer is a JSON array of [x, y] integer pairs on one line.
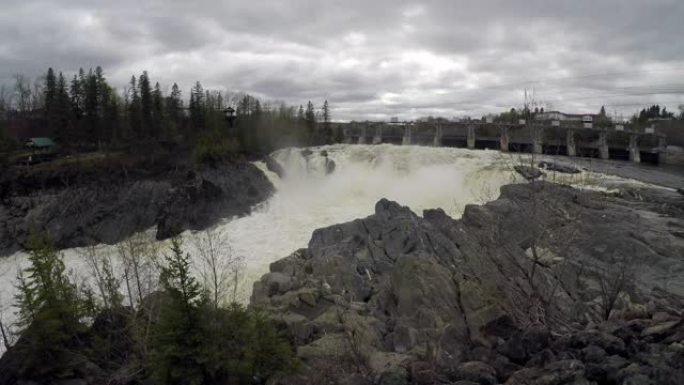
[[41, 142]]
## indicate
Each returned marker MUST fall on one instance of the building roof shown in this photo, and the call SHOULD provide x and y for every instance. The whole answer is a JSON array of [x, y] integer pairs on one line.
[[41, 142]]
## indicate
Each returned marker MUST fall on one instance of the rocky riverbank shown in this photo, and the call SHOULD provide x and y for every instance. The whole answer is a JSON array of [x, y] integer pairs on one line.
[[545, 285], [79, 205]]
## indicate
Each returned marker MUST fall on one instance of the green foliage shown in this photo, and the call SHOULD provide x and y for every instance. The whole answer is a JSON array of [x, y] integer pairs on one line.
[[50, 310], [88, 114], [212, 147], [652, 112], [178, 342], [198, 344], [244, 347]]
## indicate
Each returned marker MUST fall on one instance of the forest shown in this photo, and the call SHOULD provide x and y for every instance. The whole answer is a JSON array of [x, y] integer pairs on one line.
[[86, 114]]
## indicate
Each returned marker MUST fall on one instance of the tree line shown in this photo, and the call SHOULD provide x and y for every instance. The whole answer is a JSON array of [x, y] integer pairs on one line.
[[86, 113]]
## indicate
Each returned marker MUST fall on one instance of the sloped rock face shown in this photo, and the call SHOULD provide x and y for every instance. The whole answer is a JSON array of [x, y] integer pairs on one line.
[[396, 297], [106, 206]]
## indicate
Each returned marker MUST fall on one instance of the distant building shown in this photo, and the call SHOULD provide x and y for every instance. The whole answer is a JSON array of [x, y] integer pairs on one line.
[[560, 116], [41, 144]]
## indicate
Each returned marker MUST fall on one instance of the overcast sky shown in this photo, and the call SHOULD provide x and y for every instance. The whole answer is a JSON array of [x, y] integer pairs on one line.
[[371, 59]]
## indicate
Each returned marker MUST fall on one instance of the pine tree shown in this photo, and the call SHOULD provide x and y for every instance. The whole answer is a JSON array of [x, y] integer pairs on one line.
[[300, 113], [197, 107], [50, 311], [174, 113], [157, 112], [92, 118], [145, 105], [178, 341], [310, 118], [50, 98], [326, 112], [326, 123], [134, 110], [62, 111]]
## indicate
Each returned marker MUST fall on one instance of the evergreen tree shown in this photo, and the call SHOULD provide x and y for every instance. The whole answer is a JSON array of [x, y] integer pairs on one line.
[[50, 311], [134, 110], [157, 112], [174, 111], [177, 352], [197, 107], [326, 113], [310, 118], [76, 100], [50, 97], [91, 111], [300, 114], [326, 123], [62, 111], [145, 105]]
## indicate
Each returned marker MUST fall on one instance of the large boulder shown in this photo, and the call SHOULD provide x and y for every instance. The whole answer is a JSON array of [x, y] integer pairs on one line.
[[502, 280]]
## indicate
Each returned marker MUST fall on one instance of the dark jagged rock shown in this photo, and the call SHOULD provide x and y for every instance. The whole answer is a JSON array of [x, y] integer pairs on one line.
[[528, 172], [273, 166], [557, 167], [513, 284], [108, 205], [306, 152], [329, 166]]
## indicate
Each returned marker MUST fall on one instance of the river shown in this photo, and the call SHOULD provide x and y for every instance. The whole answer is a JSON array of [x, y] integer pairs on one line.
[[309, 198]]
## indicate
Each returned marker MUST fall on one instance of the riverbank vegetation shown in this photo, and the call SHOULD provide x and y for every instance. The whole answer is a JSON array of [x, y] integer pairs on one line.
[[171, 331]]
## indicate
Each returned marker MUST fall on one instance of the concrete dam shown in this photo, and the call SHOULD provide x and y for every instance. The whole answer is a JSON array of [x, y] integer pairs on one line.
[[570, 138]]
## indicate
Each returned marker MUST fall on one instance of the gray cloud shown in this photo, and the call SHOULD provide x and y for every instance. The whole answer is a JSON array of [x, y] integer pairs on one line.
[[370, 59]]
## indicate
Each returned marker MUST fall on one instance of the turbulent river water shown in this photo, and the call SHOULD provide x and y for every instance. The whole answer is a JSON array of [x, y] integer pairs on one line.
[[308, 198]]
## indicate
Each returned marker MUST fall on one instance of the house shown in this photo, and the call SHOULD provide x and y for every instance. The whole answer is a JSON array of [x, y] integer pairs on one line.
[[41, 144], [560, 116]]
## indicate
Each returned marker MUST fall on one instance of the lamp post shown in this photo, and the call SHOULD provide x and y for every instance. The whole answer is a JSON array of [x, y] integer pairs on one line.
[[230, 116]]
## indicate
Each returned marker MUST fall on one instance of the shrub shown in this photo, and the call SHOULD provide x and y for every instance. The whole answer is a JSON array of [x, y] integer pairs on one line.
[[198, 343], [51, 313], [214, 147]]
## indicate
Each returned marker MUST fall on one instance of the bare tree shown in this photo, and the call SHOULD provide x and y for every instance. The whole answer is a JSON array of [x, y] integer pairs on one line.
[[5, 98], [102, 272], [22, 92], [613, 282], [221, 267], [140, 265]]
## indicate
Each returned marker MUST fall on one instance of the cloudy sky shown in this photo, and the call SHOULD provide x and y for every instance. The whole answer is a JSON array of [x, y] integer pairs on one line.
[[371, 59]]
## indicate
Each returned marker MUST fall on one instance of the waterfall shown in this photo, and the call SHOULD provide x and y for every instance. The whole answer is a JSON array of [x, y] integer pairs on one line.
[[310, 197]]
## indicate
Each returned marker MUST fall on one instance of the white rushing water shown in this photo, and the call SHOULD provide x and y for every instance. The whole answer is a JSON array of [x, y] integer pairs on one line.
[[307, 199]]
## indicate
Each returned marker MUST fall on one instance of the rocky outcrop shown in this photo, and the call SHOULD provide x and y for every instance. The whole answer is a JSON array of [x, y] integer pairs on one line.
[[514, 292], [528, 172], [557, 167], [108, 205], [273, 166]]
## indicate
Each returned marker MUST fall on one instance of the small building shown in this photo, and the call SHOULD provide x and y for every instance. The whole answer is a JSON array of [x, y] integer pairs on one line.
[[561, 116], [41, 144]]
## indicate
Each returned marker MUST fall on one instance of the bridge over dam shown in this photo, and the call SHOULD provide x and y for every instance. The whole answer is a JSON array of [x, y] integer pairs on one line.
[[571, 138]]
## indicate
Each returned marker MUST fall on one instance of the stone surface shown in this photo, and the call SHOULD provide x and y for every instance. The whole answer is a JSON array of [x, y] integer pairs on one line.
[[528, 172], [77, 208], [558, 167], [471, 289]]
